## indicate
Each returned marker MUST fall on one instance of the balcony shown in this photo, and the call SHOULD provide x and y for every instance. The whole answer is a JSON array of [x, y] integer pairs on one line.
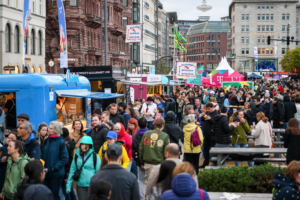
[[118, 6], [117, 30], [91, 22], [151, 34]]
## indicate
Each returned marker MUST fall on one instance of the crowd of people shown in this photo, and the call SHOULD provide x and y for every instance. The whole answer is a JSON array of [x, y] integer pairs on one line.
[[150, 149]]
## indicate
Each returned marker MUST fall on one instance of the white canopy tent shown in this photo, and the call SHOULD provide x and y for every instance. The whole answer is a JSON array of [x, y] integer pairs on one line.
[[225, 66]]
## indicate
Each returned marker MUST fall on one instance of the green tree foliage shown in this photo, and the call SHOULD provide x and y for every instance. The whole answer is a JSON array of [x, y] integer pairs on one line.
[[162, 68], [290, 60]]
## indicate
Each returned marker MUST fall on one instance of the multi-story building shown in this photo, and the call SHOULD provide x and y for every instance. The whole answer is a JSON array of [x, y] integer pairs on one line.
[[207, 43], [11, 56], [252, 21], [297, 24], [84, 33], [184, 25], [163, 33]]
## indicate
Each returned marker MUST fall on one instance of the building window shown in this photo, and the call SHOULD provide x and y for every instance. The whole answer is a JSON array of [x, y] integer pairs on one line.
[[296, 11], [247, 17], [247, 28], [267, 28], [283, 51], [272, 28], [243, 16], [285, 6], [258, 50], [125, 3], [263, 16], [296, 31], [40, 43], [40, 9], [33, 7], [263, 6], [271, 51], [283, 39], [258, 40], [272, 17], [73, 2], [40, 70], [32, 42], [243, 40], [107, 12], [272, 6], [7, 38], [258, 16], [263, 50], [247, 51], [258, 28], [287, 16], [263, 40], [208, 56], [33, 69], [297, 20], [243, 51], [267, 17], [125, 21], [262, 28], [213, 57], [283, 27], [267, 6], [243, 28], [17, 40], [283, 16], [245, 6], [247, 40], [258, 6], [267, 51]]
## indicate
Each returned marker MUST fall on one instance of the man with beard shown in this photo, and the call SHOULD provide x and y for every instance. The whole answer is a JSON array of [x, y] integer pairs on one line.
[[122, 110], [114, 116]]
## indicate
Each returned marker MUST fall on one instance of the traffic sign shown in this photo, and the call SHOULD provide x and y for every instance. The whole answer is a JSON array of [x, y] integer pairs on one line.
[[295, 70]]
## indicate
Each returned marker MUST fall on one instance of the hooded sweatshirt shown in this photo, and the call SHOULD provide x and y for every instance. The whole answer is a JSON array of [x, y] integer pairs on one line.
[[14, 175], [136, 140], [32, 147], [126, 138], [88, 170], [285, 188], [174, 132], [183, 187], [290, 108]]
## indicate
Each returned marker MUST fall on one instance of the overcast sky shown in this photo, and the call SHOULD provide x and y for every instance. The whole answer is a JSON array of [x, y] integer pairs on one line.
[[186, 9]]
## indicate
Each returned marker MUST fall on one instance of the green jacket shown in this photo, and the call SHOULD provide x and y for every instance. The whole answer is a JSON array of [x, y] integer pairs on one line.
[[183, 122], [242, 131], [14, 175], [88, 169], [152, 147]]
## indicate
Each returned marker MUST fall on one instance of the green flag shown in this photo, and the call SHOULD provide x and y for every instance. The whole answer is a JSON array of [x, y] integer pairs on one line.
[[179, 36]]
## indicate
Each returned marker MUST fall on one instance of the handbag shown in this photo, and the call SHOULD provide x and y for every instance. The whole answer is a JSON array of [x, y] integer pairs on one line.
[[76, 174], [195, 139]]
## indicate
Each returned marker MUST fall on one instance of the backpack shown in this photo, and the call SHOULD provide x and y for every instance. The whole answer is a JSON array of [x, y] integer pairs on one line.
[[94, 158], [20, 162], [230, 100], [195, 139]]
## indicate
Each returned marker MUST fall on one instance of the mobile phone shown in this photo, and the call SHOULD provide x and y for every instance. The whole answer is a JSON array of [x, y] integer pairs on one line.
[[236, 119]]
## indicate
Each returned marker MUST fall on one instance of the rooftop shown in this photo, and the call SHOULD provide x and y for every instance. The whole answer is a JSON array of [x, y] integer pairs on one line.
[[209, 27]]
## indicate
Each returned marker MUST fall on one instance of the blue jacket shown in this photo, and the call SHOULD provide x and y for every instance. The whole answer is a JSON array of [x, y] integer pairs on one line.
[[32, 147], [88, 170], [55, 159], [163, 107], [3, 152], [183, 188], [126, 118], [285, 188], [2, 123]]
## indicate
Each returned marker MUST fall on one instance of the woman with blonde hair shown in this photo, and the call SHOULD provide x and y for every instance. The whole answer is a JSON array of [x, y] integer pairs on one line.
[[42, 133], [77, 133], [183, 184], [262, 132]]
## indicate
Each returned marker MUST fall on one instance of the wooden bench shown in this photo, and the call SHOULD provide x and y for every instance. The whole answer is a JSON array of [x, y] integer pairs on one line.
[[220, 151], [214, 159], [244, 196], [275, 142]]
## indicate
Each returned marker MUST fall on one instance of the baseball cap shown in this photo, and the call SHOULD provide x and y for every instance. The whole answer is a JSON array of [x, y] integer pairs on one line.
[[112, 135], [267, 94], [23, 116], [114, 150]]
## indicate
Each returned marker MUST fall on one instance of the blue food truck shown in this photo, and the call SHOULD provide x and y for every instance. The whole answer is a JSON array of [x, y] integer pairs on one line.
[[48, 97]]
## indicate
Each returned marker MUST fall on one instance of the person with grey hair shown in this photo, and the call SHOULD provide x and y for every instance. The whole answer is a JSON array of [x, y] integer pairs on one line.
[[31, 144], [55, 155], [191, 152]]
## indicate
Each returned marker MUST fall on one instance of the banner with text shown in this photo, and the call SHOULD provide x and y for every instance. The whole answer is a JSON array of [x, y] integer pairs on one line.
[[62, 35], [186, 70], [25, 27], [134, 33], [198, 79]]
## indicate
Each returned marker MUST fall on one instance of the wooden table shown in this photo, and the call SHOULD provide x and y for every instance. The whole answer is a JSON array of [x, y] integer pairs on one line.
[[244, 196], [220, 151]]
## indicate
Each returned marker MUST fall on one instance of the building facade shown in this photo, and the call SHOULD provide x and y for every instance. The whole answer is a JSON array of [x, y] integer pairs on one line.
[[11, 56], [207, 43], [252, 21], [84, 33]]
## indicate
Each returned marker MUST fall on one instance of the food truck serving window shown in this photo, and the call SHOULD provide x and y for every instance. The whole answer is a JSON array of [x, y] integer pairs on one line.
[[86, 94]]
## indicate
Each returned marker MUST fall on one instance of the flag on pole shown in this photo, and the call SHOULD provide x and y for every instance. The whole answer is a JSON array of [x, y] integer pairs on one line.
[[179, 36]]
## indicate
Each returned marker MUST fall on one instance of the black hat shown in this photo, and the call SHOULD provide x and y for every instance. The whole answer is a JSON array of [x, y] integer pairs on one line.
[[23, 116], [150, 99], [65, 132], [114, 149]]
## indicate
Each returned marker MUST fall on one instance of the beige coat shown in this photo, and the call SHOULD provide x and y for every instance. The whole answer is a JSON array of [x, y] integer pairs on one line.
[[262, 133]]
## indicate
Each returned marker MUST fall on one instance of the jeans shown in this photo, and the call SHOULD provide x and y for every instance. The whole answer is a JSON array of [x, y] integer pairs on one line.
[[179, 117], [286, 125], [193, 158], [208, 144], [150, 124], [82, 192], [129, 166], [54, 185], [141, 181], [237, 164], [134, 168], [71, 195], [299, 122]]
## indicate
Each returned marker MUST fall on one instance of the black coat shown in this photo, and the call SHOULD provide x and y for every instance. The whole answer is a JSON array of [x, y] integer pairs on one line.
[[117, 118], [124, 183], [290, 109], [98, 135], [135, 148], [256, 109], [70, 147], [207, 124], [174, 132], [222, 130], [291, 142], [233, 100], [33, 192], [277, 112]]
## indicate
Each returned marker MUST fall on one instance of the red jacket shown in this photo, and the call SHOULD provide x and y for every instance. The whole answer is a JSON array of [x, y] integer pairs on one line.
[[281, 89], [126, 138]]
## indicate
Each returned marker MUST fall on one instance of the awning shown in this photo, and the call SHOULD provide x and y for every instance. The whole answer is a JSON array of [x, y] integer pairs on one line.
[[5, 90], [141, 83], [84, 93]]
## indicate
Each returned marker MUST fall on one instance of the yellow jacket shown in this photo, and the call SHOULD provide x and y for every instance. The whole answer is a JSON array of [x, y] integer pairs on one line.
[[188, 130], [125, 160]]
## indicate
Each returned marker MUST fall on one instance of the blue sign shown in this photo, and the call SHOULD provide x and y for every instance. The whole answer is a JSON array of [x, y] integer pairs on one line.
[[198, 79], [62, 35], [25, 26], [72, 78]]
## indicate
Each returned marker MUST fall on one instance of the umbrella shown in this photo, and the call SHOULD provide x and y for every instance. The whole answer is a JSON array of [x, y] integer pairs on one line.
[[244, 83]]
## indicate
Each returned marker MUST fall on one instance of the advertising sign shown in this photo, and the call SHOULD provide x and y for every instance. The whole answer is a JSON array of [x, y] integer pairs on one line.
[[62, 35], [186, 70], [88, 111], [218, 76], [134, 33], [198, 79], [151, 69], [25, 26], [255, 54], [153, 78], [275, 50]]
